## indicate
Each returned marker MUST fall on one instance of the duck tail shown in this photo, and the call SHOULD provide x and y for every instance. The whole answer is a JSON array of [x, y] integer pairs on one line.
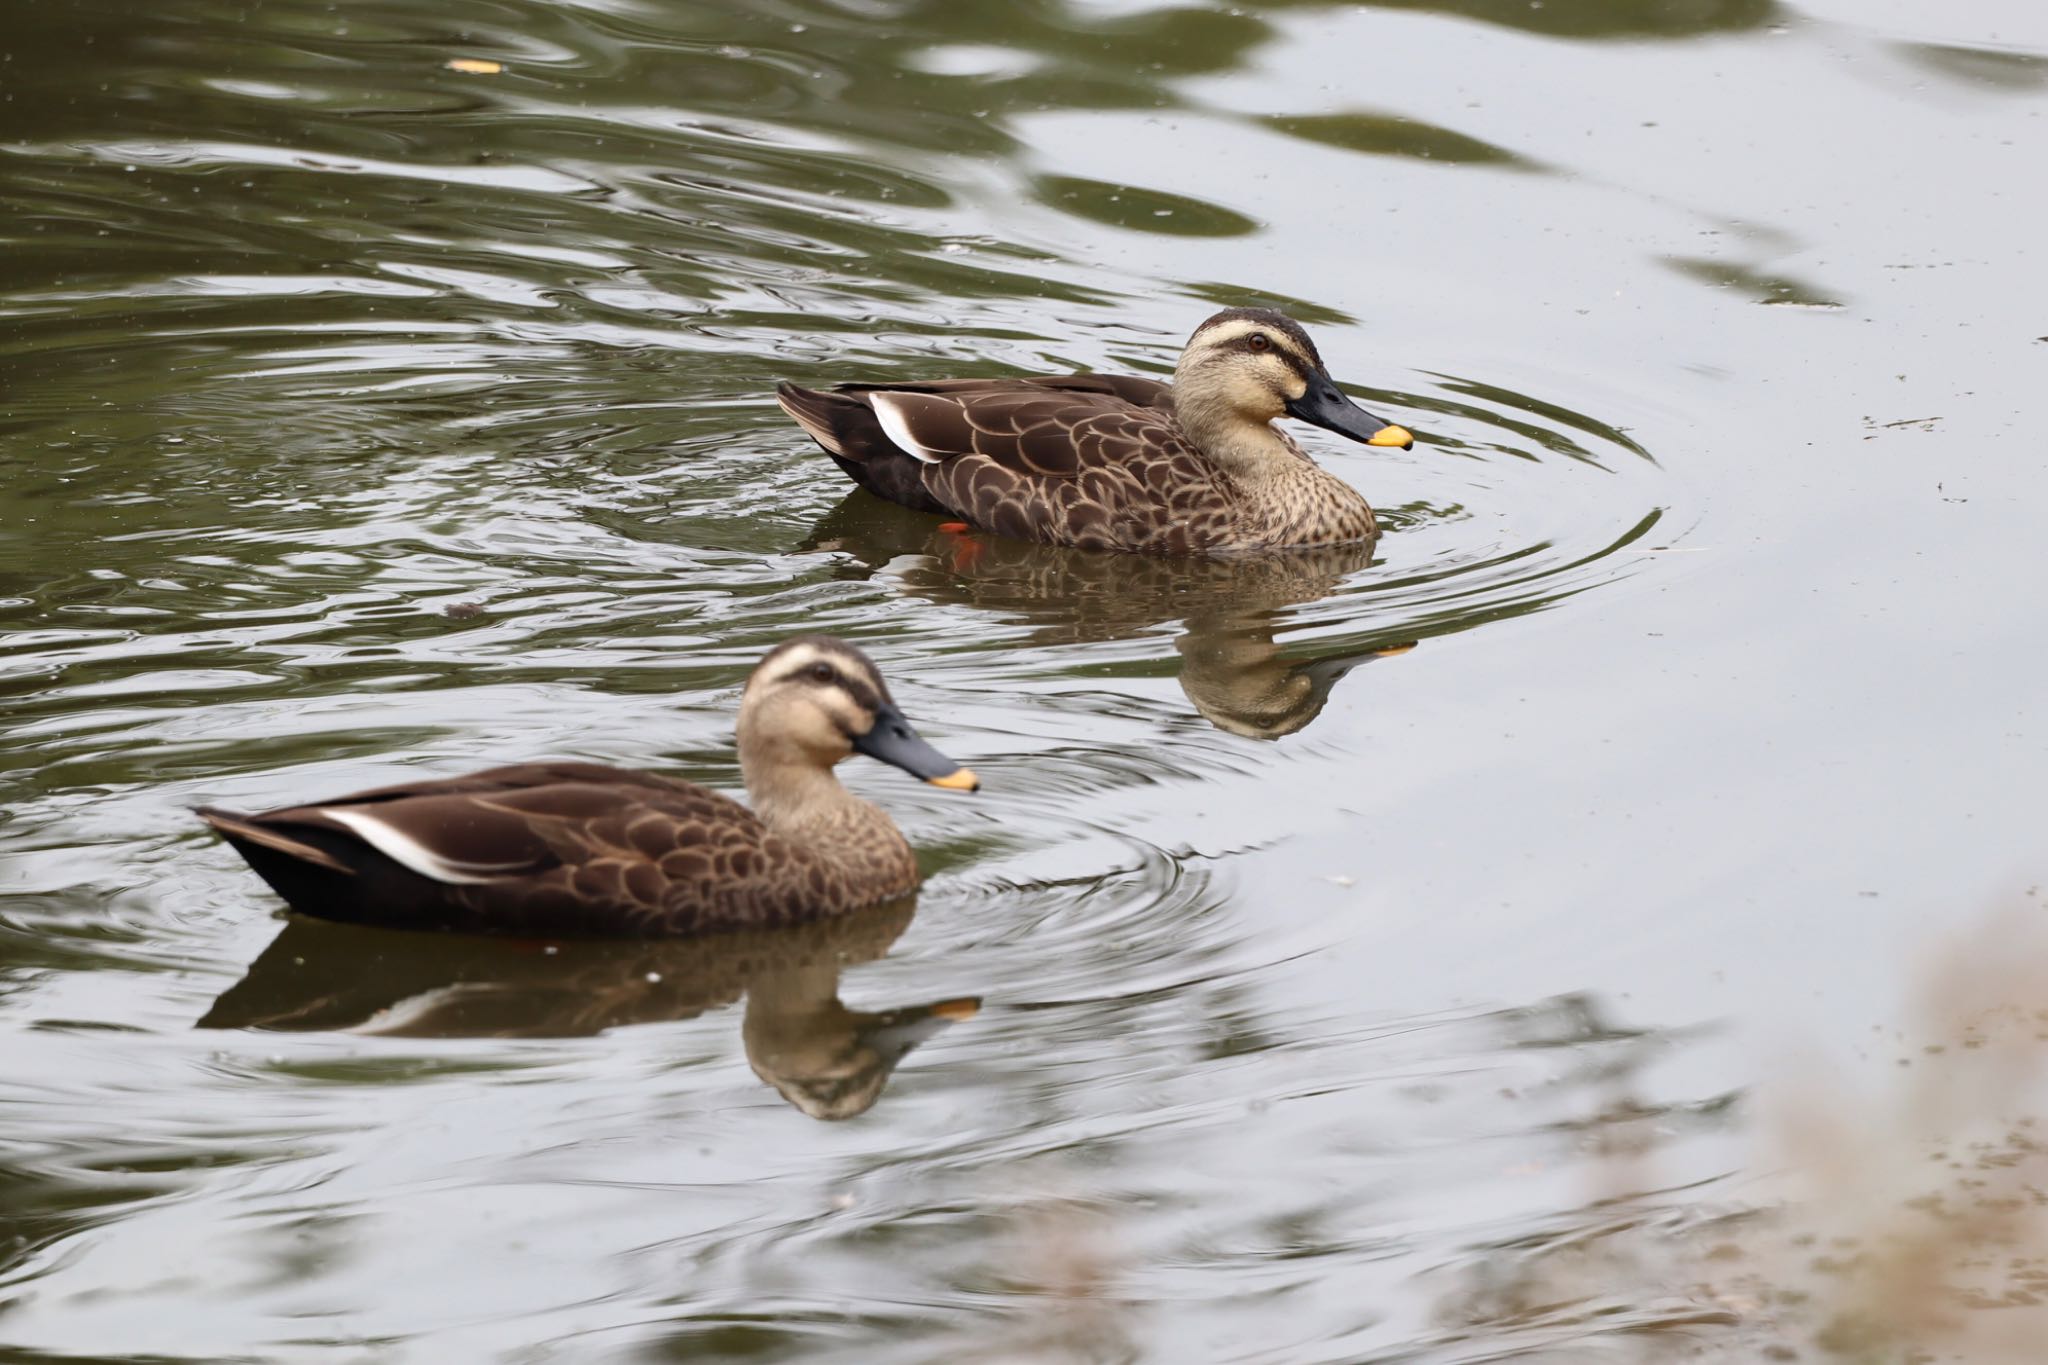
[[848, 430], [821, 415], [241, 830]]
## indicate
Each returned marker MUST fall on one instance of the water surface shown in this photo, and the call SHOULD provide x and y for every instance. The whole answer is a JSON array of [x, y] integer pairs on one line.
[[1379, 956]]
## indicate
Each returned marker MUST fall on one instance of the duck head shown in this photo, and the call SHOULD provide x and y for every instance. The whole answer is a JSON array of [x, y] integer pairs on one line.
[[1248, 366], [813, 701]]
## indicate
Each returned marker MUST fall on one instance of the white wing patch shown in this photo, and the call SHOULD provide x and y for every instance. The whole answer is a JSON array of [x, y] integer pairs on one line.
[[411, 854], [896, 426]]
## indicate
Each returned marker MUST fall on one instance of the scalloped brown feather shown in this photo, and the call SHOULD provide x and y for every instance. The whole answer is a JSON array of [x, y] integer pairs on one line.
[[578, 849], [1095, 461]]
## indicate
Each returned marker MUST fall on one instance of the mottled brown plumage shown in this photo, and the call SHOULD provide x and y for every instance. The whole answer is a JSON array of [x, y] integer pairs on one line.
[[1110, 462], [583, 849]]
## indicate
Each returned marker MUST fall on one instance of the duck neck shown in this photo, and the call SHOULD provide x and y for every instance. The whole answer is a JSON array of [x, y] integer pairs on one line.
[[799, 797], [1279, 488], [1253, 453]]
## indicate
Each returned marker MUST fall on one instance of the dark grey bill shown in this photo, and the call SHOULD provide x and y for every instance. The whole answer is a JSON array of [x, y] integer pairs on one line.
[[1325, 405], [894, 742]]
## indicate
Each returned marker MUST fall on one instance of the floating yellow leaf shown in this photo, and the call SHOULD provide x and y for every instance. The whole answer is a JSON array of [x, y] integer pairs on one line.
[[475, 66]]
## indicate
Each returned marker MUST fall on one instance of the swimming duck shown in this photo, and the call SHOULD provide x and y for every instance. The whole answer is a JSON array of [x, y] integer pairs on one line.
[[1115, 462], [584, 849]]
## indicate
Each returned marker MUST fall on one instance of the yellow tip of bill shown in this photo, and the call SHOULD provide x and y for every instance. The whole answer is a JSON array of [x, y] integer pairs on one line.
[[959, 780], [1391, 436], [966, 1007]]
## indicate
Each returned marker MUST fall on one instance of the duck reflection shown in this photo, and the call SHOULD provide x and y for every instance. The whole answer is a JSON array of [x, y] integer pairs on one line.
[[830, 1061], [1232, 669]]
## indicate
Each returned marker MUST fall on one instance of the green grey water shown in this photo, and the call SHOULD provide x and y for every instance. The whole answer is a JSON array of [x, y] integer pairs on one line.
[[367, 418]]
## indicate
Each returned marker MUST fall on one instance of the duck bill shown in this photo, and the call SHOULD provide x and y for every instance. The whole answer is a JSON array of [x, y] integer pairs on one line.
[[893, 741], [1324, 404], [898, 1031]]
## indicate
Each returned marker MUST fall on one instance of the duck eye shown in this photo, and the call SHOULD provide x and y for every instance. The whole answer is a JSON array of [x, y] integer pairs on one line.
[[1259, 341], [821, 673]]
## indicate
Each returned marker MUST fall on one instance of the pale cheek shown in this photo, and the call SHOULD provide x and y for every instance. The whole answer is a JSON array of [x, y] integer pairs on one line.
[[1259, 398], [830, 735]]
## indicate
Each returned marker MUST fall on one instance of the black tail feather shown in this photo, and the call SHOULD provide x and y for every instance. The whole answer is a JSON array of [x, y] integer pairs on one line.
[[847, 429]]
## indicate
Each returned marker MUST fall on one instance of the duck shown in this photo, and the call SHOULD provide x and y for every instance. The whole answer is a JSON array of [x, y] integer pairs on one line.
[[1117, 462], [586, 850]]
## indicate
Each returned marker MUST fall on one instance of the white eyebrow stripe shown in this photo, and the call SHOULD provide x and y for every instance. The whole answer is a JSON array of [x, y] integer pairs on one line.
[[1237, 329], [791, 667], [897, 427], [414, 856], [1225, 333]]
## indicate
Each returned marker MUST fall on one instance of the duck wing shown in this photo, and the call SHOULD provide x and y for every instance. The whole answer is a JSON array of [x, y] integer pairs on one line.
[[1128, 388], [538, 848], [1089, 460]]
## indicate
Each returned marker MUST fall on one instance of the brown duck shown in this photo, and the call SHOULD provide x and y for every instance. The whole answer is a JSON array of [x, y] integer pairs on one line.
[[583, 849], [1113, 462]]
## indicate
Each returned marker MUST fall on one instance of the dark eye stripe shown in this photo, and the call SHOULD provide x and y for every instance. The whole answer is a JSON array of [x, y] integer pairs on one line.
[[863, 695], [1276, 346], [1296, 362]]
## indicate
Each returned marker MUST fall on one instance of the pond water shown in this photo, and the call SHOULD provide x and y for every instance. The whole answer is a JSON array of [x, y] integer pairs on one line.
[[1596, 923]]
